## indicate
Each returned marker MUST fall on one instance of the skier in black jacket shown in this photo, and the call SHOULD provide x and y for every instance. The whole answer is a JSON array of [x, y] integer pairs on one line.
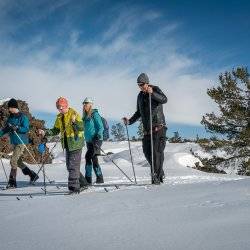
[[159, 128]]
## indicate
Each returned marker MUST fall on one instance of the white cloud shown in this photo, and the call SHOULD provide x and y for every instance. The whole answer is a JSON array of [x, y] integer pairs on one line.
[[107, 71]]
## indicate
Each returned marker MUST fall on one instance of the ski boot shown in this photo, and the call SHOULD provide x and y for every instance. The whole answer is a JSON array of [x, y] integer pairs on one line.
[[162, 178], [98, 173], [12, 180], [156, 181], [99, 179], [73, 191], [89, 180], [83, 182], [33, 176]]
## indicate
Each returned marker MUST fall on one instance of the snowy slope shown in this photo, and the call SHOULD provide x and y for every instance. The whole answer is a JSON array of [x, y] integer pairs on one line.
[[191, 210]]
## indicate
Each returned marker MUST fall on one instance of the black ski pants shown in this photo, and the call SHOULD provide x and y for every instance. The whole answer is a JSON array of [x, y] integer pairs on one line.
[[159, 143]]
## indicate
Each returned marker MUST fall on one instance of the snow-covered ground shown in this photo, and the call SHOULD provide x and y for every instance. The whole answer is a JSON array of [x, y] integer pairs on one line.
[[4, 100], [191, 210]]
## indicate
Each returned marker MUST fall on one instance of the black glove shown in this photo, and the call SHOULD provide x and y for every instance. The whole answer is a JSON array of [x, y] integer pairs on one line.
[[97, 145], [12, 127], [95, 140]]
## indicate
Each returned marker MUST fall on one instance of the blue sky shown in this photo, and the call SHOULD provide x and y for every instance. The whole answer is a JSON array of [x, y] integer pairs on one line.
[[98, 48]]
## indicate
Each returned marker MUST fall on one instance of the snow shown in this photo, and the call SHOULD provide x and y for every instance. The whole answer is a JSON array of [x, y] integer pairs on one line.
[[185, 159], [191, 210], [233, 167], [4, 100]]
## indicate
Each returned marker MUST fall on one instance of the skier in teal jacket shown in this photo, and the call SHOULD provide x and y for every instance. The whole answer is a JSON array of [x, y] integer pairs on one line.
[[93, 132]]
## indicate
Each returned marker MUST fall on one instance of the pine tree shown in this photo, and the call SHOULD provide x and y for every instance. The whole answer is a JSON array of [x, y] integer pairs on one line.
[[176, 138], [233, 120], [118, 132], [197, 138], [134, 138]]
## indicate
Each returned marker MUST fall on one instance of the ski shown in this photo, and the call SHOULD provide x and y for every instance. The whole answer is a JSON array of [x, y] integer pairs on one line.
[[26, 196], [95, 188], [82, 189]]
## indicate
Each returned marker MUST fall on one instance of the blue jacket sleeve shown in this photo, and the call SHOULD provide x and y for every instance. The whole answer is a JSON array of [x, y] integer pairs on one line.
[[98, 125], [24, 125]]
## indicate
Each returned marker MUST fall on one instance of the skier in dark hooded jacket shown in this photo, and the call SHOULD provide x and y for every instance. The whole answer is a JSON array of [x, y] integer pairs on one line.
[[17, 127], [159, 128]]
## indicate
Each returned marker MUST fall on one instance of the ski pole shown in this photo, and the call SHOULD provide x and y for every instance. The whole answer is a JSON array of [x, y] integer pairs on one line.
[[32, 157], [4, 169], [44, 179], [116, 165], [151, 139], [131, 156], [49, 156], [41, 149], [44, 160]]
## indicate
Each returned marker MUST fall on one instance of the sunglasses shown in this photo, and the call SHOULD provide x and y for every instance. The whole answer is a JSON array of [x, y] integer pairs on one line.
[[141, 84], [61, 108]]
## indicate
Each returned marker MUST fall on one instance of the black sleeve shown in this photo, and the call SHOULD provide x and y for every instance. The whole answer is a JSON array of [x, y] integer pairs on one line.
[[158, 95], [136, 115]]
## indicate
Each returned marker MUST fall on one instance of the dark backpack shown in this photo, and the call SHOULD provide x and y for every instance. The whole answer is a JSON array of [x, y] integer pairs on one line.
[[106, 129]]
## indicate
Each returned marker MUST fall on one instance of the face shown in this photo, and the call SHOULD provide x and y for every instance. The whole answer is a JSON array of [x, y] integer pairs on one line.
[[143, 86], [62, 110], [87, 106], [13, 110]]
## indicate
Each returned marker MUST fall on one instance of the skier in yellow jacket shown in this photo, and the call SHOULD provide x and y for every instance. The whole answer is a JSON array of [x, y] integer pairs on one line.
[[70, 125]]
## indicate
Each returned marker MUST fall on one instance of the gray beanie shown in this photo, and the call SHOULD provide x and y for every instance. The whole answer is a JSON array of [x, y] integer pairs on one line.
[[143, 78]]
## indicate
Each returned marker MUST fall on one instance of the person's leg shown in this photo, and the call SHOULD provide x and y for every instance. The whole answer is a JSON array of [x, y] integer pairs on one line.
[[83, 181], [160, 143], [89, 164], [26, 171], [146, 145], [74, 162], [157, 157], [17, 153], [97, 170], [96, 165]]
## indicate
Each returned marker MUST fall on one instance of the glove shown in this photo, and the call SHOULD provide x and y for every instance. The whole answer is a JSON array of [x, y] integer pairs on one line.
[[12, 128], [95, 140], [97, 145], [125, 120]]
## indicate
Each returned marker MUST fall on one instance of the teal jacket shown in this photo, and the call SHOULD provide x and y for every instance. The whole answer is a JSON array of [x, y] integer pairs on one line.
[[93, 126], [21, 121]]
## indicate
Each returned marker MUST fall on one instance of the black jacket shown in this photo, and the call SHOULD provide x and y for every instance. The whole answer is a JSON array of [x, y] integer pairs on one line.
[[157, 98]]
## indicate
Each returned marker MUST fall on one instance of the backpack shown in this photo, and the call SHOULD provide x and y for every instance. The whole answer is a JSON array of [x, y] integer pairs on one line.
[[106, 129]]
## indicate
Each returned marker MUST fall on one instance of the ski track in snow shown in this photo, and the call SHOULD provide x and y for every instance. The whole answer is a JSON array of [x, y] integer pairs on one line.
[[191, 210]]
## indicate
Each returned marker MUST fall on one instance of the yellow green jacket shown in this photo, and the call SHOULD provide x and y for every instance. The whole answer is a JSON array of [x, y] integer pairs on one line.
[[73, 132]]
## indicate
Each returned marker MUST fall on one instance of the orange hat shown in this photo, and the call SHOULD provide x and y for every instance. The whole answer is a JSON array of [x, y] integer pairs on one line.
[[62, 102]]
